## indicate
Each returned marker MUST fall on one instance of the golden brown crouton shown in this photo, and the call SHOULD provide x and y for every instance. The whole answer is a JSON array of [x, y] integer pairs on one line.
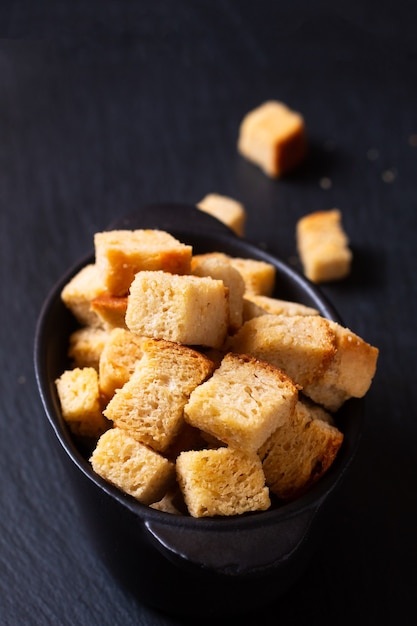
[[300, 451], [227, 210], [150, 405], [242, 403], [273, 137], [350, 372], [79, 395], [301, 345], [78, 293], [118, 360], [120, 254], [123, 461], [191, 310], [222, 482], [323, 246]]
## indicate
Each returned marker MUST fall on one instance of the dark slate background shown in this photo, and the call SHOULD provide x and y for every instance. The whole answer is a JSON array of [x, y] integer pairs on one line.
[[107, 106]]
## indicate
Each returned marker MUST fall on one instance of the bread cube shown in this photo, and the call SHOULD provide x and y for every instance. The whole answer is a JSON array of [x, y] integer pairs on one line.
[[169, 502], [132, 467], [86, 345], [300, 451], [227, 210], [111, 310], [259, 276], [242, 403], [301, 345], [77, 294], [79, 395], [350, 372], [255, 305], [196, 259], [191, 310], [222, 482], [273, 137], [120, 254], [150, 405], [118, 360], [323, 246], [222, 270]]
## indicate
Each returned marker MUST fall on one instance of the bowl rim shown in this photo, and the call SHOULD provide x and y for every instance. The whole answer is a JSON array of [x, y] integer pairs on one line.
[[310, 501]]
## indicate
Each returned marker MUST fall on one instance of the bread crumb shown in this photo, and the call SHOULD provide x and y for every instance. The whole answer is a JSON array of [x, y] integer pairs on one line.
[[325, 183], [412, 140], [388, 176], [372, 154]]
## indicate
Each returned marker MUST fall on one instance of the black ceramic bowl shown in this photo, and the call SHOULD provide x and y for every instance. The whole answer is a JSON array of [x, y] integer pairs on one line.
[[177, 563]]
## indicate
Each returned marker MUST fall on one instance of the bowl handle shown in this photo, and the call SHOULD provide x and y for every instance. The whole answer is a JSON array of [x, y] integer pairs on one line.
[[239, 550]]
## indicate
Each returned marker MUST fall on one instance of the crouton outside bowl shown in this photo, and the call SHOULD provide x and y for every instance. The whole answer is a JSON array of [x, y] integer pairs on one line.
[[177, 563]]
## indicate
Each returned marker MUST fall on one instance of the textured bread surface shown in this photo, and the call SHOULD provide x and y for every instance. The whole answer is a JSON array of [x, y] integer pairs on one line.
[[258, 276], [191, 310], [300, 451], [120, 254], [78, 293], [79, 395], [323, 246], [255, 305], [197, 258], [227, 210], [220, 269], [150, 405], [350, 372], [86, 345], [131, 466], [168, 503], [301, 345], [118, 360], [222, 482], [273, 137], [111, 310], [242, 403]]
